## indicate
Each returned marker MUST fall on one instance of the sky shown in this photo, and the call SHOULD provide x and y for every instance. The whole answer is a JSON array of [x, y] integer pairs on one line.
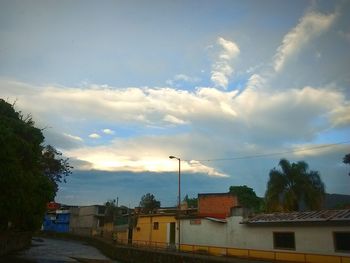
[[229, 87]]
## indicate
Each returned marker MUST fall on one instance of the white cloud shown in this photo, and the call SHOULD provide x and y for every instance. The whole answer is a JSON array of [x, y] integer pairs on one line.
[[108, 131], [181, 78], [138, 155], [303, 151], [218, 123], [94, 136], [77, 138], [222, 68], [309, 27], [340, 116], [173, 119]]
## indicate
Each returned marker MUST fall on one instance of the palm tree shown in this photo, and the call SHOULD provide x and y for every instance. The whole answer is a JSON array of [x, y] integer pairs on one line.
[[293, 186]]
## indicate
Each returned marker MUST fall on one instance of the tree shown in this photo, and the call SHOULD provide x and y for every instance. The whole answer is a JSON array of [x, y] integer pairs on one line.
[[149, 203], [54, 167], [346, 159], [247, 197], [111, 211], [26, 182], [294, 187], [191, 202]]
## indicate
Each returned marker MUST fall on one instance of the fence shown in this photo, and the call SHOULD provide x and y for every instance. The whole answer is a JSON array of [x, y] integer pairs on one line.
[[239, 252]]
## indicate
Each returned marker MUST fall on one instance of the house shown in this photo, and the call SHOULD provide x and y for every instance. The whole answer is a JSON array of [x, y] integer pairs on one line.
[[157, 229], [87, 220], [216, 205], [119, 227], [56, 218], [313, 236], [56, 221]]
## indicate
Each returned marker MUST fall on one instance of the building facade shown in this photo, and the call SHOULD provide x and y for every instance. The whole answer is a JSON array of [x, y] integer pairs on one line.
[[216, 205], [317, 232], [87, 220], [155, 230]]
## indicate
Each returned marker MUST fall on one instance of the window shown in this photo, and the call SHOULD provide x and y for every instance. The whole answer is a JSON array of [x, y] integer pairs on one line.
[[342, 241], [156, 225], [284, 240]]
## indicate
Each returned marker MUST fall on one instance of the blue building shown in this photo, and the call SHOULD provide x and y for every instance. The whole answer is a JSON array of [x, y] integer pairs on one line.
[[57, 221]]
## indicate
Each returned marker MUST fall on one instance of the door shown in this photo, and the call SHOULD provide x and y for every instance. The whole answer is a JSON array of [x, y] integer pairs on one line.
[[172, 234]]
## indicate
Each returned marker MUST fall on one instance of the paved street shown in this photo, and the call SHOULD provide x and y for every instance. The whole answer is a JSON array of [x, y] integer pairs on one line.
[[47, 250]]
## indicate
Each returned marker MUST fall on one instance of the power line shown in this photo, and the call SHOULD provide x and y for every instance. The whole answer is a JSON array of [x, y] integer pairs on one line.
[[272, 154]]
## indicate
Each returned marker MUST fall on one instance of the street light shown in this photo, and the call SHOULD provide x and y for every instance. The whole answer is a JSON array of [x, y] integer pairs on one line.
[[179, 196]]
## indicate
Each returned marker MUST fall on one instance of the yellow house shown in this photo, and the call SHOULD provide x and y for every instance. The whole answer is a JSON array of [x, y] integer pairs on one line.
[[158, 230]]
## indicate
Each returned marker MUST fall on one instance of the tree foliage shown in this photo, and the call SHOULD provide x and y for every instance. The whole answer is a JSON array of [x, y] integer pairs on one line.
[[149, 203], [294, 187], [111, 211], [247, 197], [28, 178], [191, 202], [346, 159]]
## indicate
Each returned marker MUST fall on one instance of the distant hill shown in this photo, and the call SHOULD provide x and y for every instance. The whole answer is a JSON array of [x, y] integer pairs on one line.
[[333, 201]]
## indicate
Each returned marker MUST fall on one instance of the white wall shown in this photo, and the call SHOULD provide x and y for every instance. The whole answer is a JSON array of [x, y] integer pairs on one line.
[[207, 233], [311, 239]]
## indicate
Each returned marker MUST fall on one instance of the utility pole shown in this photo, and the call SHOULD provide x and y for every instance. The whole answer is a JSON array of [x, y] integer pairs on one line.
[[179, 200]]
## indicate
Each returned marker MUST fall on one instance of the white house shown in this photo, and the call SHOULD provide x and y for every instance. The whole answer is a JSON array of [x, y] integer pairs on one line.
[[325, 232]]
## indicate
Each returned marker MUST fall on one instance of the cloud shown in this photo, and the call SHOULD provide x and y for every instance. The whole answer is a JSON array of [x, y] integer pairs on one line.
[[173, 120], [340, 116], [345, 35], [108, 131], [309, 27], [180, 78], [94, 136], [217, 122], [77, 138], [222, 68], [62, 141], [138, 155]]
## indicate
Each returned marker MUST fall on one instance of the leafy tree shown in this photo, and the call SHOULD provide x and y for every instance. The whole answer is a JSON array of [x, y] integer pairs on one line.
[[346, 159], [191, 202], [55, 168], [149, 203], [294, 186], [111, 211], [26, 182], [247, 197]]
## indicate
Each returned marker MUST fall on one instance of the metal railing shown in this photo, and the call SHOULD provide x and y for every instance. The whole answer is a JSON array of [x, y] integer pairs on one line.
[[237, 252]]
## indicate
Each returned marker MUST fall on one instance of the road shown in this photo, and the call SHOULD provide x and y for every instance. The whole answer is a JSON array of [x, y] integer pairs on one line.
[[48, 250]]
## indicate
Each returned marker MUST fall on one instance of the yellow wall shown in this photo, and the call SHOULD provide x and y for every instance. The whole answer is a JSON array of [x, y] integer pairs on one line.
[[108, 227], [143, 233]]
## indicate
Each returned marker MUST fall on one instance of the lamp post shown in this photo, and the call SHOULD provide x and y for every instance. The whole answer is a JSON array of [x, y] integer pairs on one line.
[[179, 197]]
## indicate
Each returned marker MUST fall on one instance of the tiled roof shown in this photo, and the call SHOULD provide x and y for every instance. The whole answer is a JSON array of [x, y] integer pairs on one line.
[[309, 216]]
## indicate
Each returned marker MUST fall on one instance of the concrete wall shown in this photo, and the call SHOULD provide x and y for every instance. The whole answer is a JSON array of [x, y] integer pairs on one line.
[[206, 233], [308, 239], [13, 241], [84, 220], [216, 204], [144, 229]]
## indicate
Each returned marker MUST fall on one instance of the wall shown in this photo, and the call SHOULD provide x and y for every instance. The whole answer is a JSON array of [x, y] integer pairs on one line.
[[13, 241], [308, 239], [84, 220], [216, 205], [146, 231], [207, 233]]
